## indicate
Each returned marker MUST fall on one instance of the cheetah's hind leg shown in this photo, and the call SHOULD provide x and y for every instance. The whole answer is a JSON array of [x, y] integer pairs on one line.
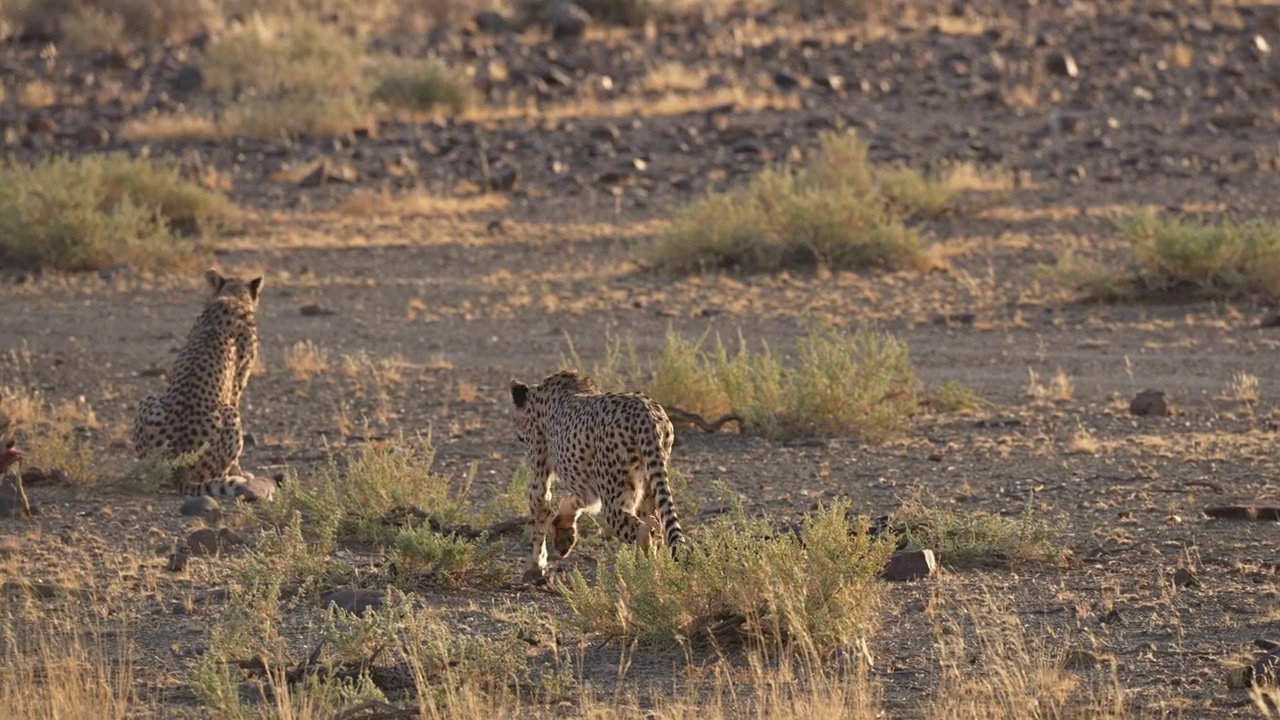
[[566, 525]]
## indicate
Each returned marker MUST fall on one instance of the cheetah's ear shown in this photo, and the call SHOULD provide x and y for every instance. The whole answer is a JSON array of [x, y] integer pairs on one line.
[[519, 393], [255, 287], [215, 280]]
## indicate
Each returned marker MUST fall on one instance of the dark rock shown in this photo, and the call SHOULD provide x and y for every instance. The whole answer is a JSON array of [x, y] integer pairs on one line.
[[208, 541], [354, 600], [1150, 403], [569, 22], [256, 488], [1061, 63], [93, 135], [503, 177], [1183, 577], [490, 22], [785, 80], [200, 506], [177, 562], [315, 310], [189, 79], [910, 565], [1267, 513]]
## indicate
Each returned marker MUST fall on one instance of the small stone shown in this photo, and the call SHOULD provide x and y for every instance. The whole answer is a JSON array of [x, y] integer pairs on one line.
[[569, 22], [42, 125], [189, 79], [1150, 403], [354, 600], [200, 506], [208, 541], [503, 177], [491, 23], [315, 310], [93, 136], [1183, 577], [785, 80], [910, 565], [1061, 63], [177, 562]]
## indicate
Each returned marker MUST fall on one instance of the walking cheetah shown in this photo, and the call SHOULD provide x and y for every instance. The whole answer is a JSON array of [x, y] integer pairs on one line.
[[611, 451], [200, 409]]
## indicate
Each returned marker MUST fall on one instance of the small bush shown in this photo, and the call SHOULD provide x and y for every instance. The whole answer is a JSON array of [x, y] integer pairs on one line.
[[380, 491], [98, 210], [1180, 257], [838, 211], [840, 384], [423, 87], [820, 593], [303, 77], [92, 25], [978, 539]]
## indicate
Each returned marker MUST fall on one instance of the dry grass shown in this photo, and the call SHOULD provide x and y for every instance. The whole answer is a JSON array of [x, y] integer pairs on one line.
[[978, 538], [61, 671], [1173, 257], [820, 593], [838, 211], [98, 210], [305, 360], [53, 436], [1059, 389], [157, 127], [857, 384], [84, 26], [423, 87]]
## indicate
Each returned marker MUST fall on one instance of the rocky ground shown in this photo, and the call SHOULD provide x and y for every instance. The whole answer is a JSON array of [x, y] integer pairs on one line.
[[508, 229]]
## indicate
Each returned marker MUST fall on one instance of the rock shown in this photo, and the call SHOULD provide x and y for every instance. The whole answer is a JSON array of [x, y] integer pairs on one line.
[[1061, 63], [177, 562], [35, 476], [208, 541], [200, 506], [1183, 577], [910, 565], [1150, 403], [315, 310], [329, 171], [42, 125], [785, 80], [354, 600], [1266, 669], [503, 177], [93, 135], [490, 22], [569, 22], [189, 79]]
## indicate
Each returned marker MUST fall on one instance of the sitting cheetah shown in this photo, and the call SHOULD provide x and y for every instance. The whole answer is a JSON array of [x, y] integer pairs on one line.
[[609, 449], [201, 406]]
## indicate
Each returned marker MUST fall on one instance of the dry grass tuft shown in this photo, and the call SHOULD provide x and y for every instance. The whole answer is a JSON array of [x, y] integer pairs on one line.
[[423, 87], [1183, 258], [838, 211], [858, 385], [305, 360], [978, 538], [820, 594], [98, 210]]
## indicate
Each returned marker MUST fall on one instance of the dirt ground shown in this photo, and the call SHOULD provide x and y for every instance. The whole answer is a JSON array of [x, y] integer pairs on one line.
[[465, 291]]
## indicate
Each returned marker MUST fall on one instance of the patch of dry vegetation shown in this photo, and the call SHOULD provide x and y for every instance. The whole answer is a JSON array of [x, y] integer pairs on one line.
[[837, 211], [977, 538], [1173, 257], [835, 383], [94, 211], [53, 436], [92, 25], [820, 591], [422, 87]]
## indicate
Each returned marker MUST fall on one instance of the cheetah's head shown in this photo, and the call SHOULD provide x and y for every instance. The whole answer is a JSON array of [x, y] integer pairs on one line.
[[523, 415], [233, 287]]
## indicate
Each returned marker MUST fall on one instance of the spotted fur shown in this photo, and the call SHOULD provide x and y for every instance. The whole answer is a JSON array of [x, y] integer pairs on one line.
[[611, 452], [200, 409]]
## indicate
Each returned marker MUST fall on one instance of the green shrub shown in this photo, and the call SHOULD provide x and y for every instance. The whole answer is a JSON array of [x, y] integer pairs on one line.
[[819, 592], [838, 211], [98, 210]]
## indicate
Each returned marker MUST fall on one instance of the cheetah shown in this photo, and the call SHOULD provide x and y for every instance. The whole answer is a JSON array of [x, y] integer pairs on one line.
[[200, 408], [611, 451]]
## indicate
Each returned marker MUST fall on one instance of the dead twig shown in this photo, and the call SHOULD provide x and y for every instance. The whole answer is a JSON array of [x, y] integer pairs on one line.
[[684, 416]]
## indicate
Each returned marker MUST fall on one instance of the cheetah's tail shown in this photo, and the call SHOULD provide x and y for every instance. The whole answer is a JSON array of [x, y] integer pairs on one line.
[[666, 508]]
